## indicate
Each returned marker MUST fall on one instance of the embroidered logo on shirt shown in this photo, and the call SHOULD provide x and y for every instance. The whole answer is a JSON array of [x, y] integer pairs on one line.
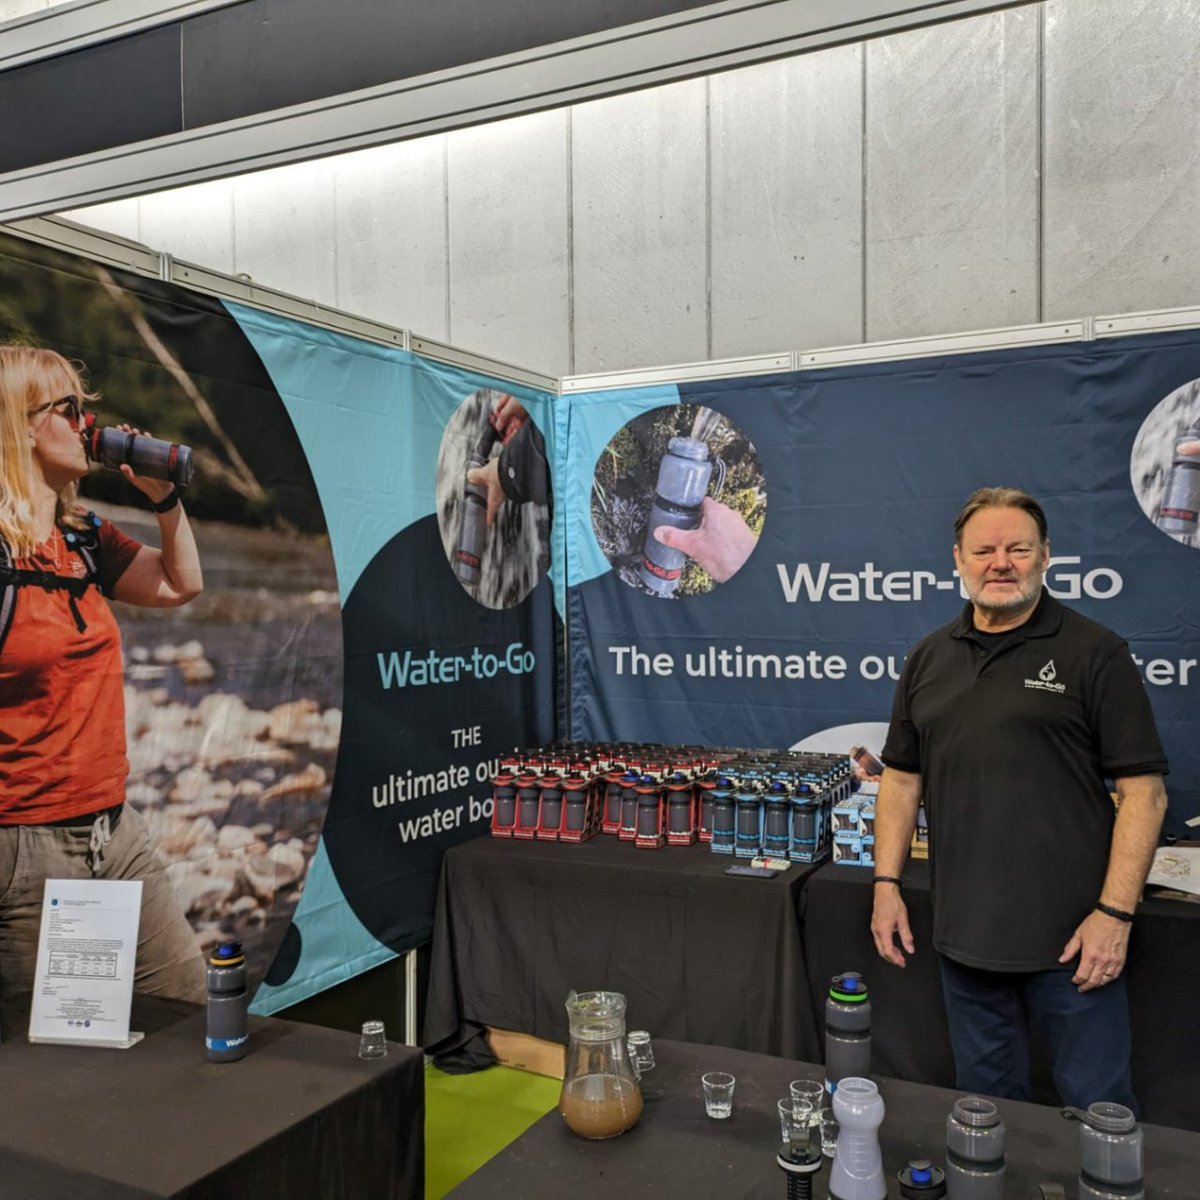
[[1045, 680]]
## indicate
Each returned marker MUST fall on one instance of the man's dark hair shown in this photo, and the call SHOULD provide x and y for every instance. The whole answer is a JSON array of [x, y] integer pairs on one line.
[[999, 497]]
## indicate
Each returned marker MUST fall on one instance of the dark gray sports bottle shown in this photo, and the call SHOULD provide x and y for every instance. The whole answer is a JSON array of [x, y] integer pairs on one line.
[[575, 795], [777, 820], [680, 804], [847, 1030], [468, 555], [722, 817], [683, 475], [749, 803], [1179, 511], [504, 799], [1110, 1152], [974, 1150], [146, 455], [529, 796], [226, 1035]]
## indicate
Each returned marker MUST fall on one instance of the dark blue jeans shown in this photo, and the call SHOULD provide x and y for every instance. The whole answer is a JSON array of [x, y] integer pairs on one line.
[[991, 1013]]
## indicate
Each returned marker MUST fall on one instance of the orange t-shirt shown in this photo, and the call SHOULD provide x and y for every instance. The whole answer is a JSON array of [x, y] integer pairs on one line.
[[62, 700]]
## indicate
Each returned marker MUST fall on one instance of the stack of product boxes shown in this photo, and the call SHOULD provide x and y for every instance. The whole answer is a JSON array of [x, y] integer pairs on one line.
[[568, 792], [745, 803], [775, 805], [854, 828]]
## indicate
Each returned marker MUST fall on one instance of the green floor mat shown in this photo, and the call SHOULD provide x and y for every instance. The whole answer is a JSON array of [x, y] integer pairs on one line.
[[470, 1118]]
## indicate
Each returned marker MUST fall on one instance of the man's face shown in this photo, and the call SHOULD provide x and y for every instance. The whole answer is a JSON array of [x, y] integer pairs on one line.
[[1001, 560]]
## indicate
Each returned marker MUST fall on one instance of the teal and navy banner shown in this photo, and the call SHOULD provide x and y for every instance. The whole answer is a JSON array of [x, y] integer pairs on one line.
[[447, 625], [826, 508]]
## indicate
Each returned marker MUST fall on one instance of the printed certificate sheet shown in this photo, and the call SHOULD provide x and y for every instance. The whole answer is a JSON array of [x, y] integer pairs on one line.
[[86, 955]]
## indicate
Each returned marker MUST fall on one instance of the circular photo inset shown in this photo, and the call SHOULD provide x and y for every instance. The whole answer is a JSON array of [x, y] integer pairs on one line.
[[1164, 466], [493, 499], [678, 501]]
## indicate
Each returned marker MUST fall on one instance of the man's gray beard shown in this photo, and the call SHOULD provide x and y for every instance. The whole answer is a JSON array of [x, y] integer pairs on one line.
[[1024, 599]]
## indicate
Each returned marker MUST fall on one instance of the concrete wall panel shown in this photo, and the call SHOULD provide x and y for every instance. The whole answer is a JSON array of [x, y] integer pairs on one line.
[[639, 200], [508, 240], [205, 234], [1122, 155], [283, 229], [122, 217], [787, 204], [390, 234], [951, 177]]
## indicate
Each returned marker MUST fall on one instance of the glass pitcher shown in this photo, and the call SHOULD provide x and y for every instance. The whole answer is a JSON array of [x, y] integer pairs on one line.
[[600, 1094]]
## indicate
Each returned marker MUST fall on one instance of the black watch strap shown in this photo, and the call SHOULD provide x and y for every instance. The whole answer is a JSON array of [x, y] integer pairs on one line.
[[167, 503], [1119, 913], [888, 879]]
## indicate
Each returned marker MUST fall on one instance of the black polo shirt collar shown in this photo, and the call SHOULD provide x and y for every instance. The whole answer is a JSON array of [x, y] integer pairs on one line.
[[1045, 621]]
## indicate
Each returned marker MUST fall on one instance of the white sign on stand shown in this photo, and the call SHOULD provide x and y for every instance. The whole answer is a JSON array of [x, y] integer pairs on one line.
[[87, 951]]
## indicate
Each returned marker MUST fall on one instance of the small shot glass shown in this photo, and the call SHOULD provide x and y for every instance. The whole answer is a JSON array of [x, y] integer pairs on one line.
[[810, 1090], [718, 1094], [795, 1118], [373, 1042], [829, 1132], [641, 1052]]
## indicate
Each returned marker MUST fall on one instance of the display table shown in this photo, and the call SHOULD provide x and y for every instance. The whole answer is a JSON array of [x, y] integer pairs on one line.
[[675, 1150], [700, 956], [908, 1031], [300, 1117]]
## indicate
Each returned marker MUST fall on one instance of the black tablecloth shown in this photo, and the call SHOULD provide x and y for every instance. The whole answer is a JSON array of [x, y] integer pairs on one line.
[[908, 1019], [700, 956], [300, 1117], [675, 1150]]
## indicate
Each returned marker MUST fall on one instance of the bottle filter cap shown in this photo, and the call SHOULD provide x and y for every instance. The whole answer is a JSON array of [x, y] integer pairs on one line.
[[849, 987], [227, 954], [920, 1178]]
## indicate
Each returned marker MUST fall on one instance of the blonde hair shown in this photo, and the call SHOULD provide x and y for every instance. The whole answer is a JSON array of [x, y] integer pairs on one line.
[[29, 377]]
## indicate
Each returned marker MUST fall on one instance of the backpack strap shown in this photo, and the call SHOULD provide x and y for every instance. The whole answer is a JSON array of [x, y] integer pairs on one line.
[[8, 594], [85, 543]]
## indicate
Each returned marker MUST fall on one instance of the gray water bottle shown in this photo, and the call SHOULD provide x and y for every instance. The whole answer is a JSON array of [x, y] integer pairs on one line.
[[1110, 1152], [150, 456], [974, 1151], [683, 475], [1179, 511], [227, 1033], [847, 1029]]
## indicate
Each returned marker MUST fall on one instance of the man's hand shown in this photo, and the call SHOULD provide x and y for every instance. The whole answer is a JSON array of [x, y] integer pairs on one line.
[[720, 545], [889, 921], [1101, 942], [488, 477]]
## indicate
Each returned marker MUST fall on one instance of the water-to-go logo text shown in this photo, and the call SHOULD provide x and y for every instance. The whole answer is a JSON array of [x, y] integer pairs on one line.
[[816, 582]]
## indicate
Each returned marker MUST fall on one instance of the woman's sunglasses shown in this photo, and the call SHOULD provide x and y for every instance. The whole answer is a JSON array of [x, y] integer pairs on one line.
[[70, 407]]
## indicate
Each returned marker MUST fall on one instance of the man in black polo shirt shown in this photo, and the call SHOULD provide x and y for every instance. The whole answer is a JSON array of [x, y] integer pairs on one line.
[[1007, 723]]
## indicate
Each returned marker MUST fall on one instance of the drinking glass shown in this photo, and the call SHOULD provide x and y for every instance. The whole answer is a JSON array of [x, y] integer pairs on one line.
[[718, 1094], [795, 1117], [829, 1132], [641, 1052], [373, 1042]]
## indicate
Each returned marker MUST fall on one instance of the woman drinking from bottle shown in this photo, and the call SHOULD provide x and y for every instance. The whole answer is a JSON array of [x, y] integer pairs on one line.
[[62, 712]]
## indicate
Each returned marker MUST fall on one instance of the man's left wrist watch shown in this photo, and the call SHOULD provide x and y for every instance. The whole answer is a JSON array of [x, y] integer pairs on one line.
[[167, 503]]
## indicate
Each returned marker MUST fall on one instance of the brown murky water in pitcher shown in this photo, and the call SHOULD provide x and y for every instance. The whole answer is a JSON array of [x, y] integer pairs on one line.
[[600, 1106]]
